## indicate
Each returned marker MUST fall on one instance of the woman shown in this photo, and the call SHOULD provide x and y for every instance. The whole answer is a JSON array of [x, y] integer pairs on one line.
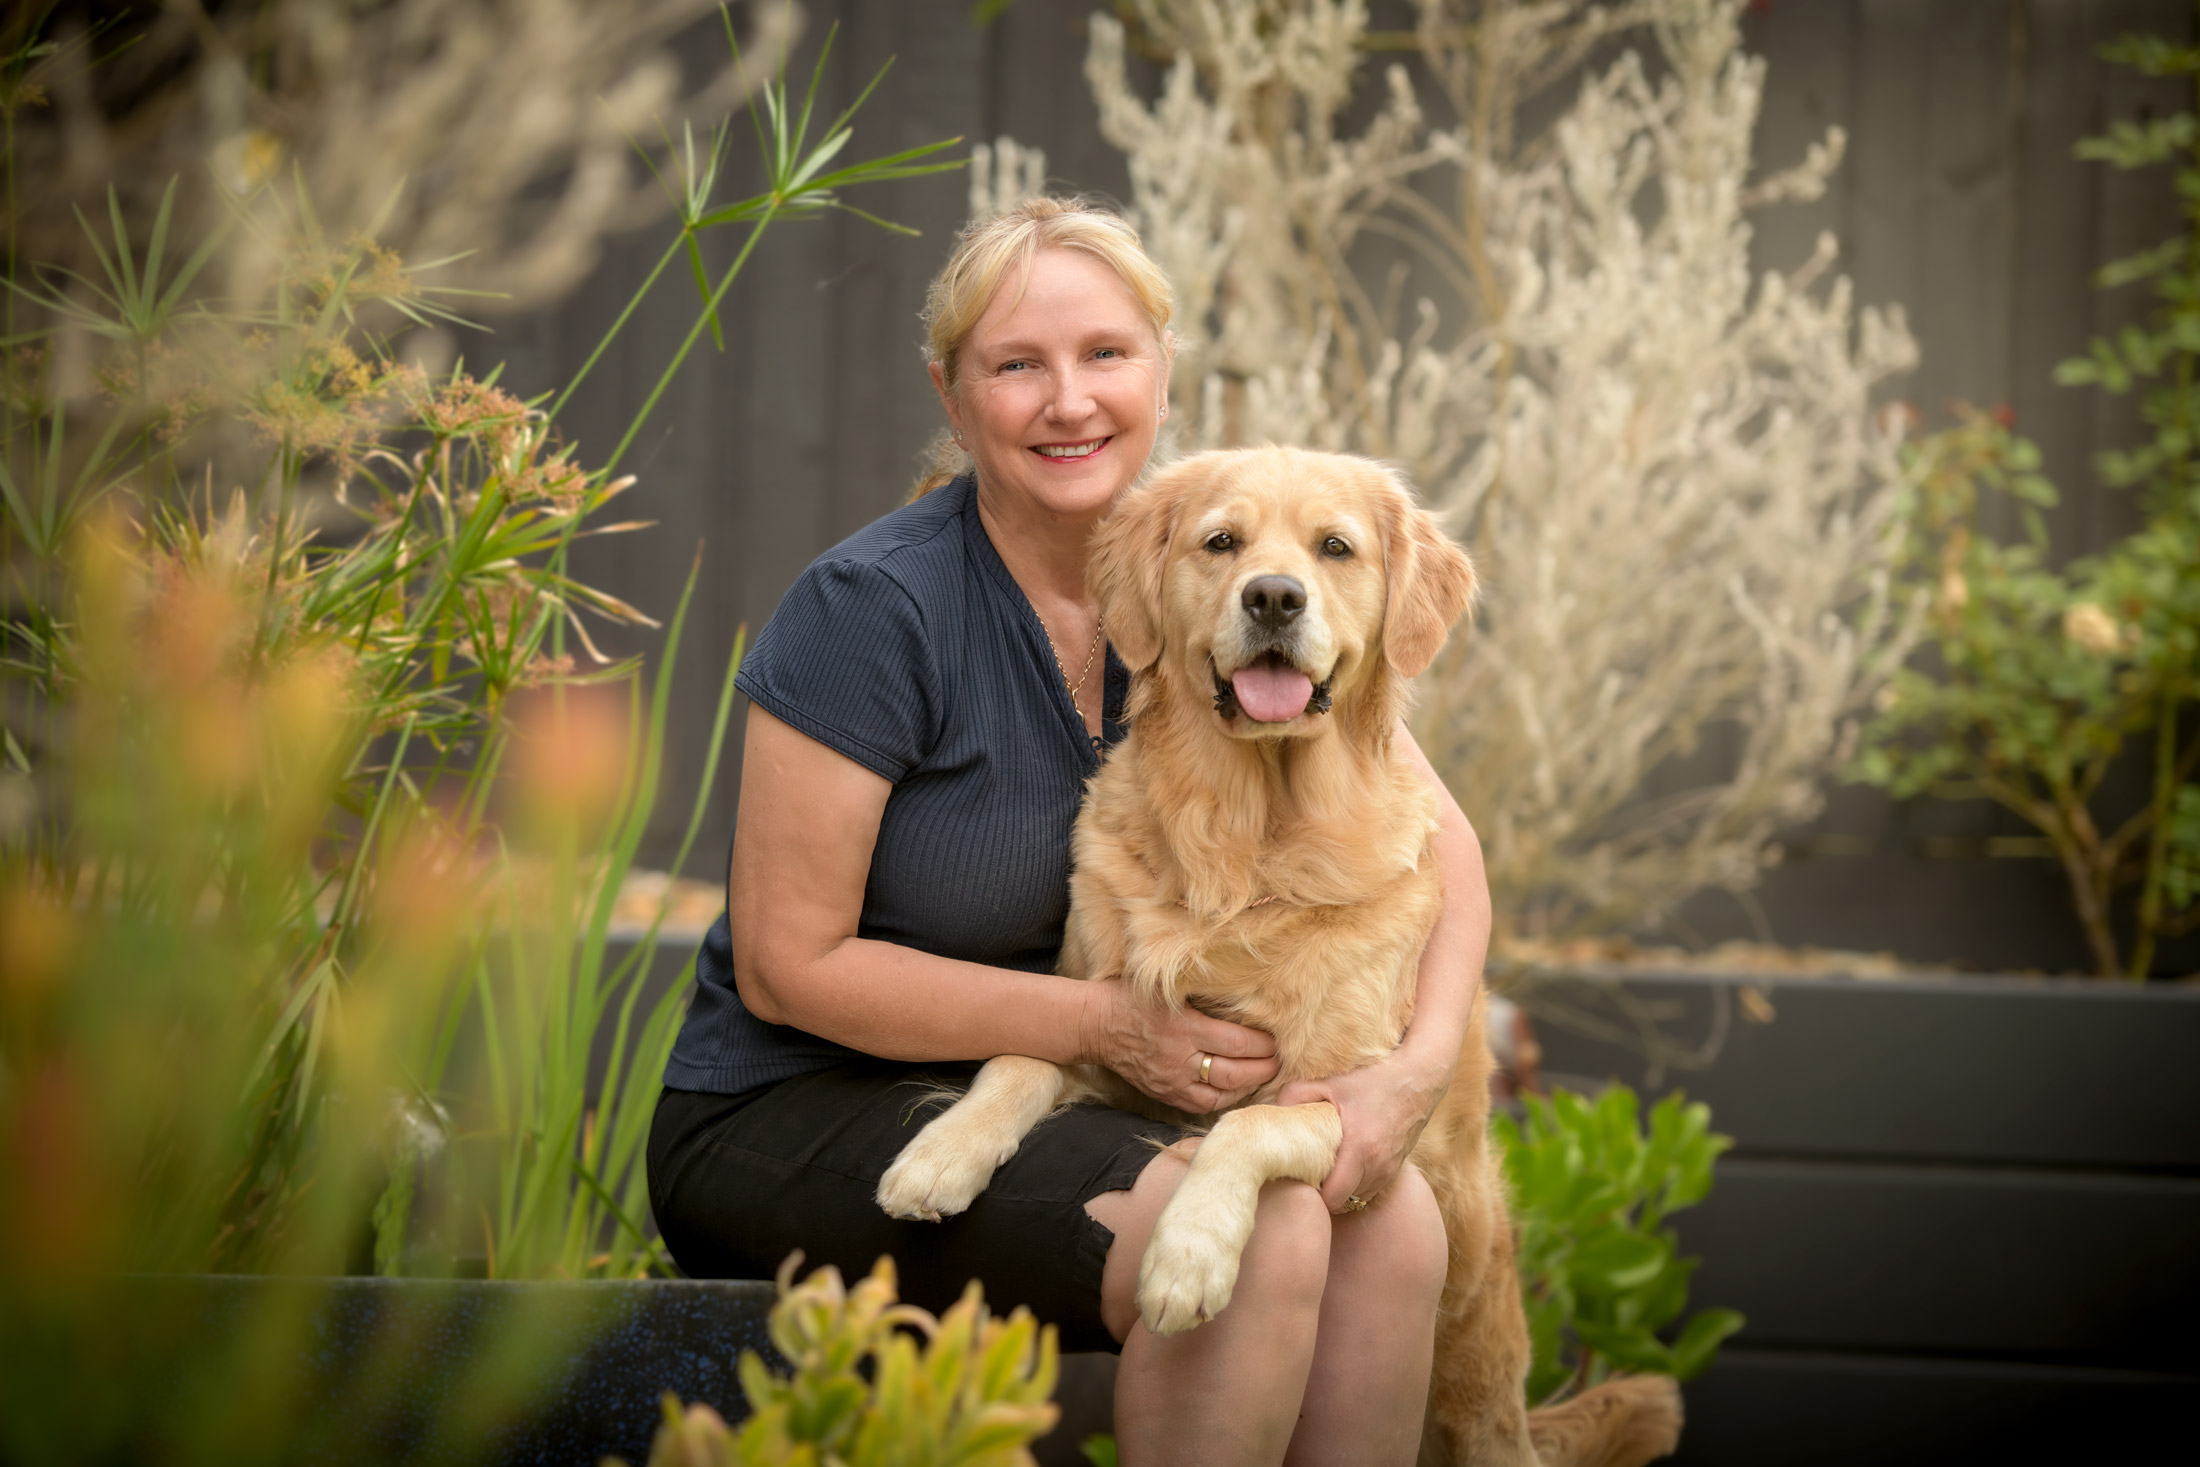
[[925, 706]]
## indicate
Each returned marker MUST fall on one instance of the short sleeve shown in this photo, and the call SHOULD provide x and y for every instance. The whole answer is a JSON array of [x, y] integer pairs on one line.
[[845, 659]]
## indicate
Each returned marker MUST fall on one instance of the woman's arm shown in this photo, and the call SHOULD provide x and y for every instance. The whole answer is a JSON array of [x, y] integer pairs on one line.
[[1450, 980], [801, 857], [1386, 1104]]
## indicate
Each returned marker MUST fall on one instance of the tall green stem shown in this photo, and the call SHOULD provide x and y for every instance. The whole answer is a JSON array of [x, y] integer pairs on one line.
[[695, 334], [611, 334], [2165, 795]]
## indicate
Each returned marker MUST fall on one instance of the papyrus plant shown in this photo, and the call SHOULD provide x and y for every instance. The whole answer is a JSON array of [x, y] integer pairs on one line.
[[1667, 464], [311, 821]]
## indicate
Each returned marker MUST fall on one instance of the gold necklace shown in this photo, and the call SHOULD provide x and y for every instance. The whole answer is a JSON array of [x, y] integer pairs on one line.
[[1084, 674]]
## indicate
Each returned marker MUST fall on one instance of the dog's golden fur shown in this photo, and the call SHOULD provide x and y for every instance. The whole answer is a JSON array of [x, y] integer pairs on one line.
[[1279, 874]]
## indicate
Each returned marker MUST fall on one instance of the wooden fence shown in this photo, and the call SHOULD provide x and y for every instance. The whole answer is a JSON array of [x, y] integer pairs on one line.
[[1960, 199]]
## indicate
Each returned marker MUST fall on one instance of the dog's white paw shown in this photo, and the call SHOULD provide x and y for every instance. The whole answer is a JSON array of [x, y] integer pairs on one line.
[[938, 1175], [1186, 1277]]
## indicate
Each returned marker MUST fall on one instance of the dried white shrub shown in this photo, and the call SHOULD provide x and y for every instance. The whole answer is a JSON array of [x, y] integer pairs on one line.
[[502, 131], [1671, 472], [1004, 174]]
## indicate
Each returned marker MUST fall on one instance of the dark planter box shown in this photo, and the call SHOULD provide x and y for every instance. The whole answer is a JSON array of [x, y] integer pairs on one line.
[[470, 1372], [1962, 1216], [421, 1371]]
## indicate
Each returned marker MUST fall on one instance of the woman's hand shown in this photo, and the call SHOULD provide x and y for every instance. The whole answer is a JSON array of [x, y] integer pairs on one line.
[[1159, 1049], [1384, 1106]]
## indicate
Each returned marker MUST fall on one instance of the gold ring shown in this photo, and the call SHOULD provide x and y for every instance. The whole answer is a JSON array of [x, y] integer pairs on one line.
[[1206, 1068], [1355, 1203]]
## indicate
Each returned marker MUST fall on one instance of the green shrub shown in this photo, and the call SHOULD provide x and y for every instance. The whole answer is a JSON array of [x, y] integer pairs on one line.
[[2045, 677], [863, 1393], [1600, 1276]]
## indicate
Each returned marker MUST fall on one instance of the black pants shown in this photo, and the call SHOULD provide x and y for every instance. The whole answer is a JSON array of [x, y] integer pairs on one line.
[[740, 1181]]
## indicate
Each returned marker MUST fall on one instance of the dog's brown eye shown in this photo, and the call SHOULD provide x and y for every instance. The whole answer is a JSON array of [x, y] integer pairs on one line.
[[1335, 548], [1221, 541]]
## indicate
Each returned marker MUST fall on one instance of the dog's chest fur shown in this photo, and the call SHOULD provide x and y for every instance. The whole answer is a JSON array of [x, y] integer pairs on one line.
[[1307, 924]]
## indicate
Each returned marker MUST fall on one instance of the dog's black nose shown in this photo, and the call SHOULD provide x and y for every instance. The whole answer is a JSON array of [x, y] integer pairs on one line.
[[1273, 601]]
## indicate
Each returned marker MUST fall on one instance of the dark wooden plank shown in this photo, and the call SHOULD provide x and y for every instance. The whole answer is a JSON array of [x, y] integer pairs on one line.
[[1885, 118], [2131, 212], [1968, 910], [1807, 51], [1962, 185], [942, 97], [1755, 1407], [428, 1371], [1086, 1397], [2082, 1268], [2057, 214], [2041, 1072], [1040, 96]]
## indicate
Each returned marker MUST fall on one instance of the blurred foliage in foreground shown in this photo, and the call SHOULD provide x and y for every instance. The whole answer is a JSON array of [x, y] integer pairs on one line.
[[1599, 1273], [317, 792], [2045, 677], [865, 1394]]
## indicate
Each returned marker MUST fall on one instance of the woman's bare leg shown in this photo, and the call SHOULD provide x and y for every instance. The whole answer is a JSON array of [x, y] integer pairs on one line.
[[1227, 1392], [1368, 1389]]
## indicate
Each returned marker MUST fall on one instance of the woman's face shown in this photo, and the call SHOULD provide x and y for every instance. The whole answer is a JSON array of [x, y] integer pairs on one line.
[[1060, 388]]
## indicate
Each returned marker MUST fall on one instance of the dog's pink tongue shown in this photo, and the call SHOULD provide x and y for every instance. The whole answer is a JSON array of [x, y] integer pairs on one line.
[[1272, 692]]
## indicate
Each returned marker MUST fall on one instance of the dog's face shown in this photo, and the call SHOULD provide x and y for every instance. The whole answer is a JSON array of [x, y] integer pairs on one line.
[[1278, 581]]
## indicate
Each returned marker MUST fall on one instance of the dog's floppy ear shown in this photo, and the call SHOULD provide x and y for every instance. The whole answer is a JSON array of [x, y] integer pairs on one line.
[[1129, 551], [1431, 583]]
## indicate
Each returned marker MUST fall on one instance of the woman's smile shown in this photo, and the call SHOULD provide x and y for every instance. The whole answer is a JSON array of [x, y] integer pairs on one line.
[[1072, 450]]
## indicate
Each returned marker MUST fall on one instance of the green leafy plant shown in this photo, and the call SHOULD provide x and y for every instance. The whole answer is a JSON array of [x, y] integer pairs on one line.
[[570, 1199], [315, 796], [153, 1118], [2045, 677], [864, 1393], [278, 453], [1601, 1276]]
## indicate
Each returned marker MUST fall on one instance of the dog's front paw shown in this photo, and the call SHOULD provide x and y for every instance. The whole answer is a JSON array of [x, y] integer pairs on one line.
[[938, 1175], [1186, 1277]]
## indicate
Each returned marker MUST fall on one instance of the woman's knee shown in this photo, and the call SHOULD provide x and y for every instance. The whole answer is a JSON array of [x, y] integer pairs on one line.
[[1398, 1246], [1290, 1248]]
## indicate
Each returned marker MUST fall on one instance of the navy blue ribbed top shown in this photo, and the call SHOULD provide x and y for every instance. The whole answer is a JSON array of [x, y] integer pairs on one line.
[[910, 648]]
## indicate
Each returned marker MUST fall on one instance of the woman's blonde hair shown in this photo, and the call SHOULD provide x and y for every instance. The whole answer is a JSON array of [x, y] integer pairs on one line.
[[986, 251]]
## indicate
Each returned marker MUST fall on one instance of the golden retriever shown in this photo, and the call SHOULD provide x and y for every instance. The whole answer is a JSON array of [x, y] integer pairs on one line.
[[1259, 847]]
